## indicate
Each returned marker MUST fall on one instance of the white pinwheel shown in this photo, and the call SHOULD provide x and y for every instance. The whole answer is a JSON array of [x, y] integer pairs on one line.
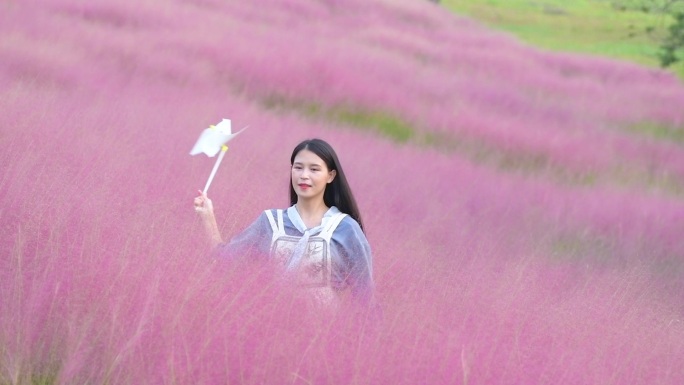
[[212, 141]]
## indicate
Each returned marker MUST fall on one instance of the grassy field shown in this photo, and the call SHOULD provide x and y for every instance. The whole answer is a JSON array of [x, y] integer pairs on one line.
[[587, 26], [524, 208]]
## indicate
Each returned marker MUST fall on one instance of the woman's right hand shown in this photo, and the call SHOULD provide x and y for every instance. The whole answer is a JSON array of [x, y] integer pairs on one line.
[[205, 209], [203, 205]]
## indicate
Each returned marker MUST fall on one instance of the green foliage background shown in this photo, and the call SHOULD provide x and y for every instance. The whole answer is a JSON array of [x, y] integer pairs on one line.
[[624, 29]]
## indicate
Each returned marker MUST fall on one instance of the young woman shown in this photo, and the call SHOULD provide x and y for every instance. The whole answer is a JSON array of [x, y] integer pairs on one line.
[[319, 239]]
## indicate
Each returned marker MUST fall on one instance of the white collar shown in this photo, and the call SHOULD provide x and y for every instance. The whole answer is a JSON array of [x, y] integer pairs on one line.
[[297, 221]]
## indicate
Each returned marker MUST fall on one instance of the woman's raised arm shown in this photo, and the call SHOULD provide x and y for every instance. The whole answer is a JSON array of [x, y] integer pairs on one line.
[[205, 209]]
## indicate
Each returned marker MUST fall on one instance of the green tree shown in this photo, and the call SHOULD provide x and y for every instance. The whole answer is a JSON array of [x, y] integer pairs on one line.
[[672, 40], [673, 43]]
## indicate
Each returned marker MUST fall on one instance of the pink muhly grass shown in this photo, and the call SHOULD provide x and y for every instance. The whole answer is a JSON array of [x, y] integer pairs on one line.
[[484, 274]]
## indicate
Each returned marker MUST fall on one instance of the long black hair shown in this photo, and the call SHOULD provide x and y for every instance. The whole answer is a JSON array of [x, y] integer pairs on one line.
[[337, 193]]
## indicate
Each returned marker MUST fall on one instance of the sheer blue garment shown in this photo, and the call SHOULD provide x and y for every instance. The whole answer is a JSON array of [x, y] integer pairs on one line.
[[350, 253]]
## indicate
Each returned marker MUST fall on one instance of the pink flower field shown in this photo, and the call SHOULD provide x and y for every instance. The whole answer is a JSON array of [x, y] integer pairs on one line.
[[525, 209]]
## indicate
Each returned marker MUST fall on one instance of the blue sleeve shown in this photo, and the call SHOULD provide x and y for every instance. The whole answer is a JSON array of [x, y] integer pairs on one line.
[[254, 241], [355, 263]]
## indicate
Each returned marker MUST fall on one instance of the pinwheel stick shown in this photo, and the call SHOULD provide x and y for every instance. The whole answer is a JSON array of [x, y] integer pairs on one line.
[[224, 148]]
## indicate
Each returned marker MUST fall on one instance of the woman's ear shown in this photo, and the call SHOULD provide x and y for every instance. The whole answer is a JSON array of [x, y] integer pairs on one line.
[[331, 175]]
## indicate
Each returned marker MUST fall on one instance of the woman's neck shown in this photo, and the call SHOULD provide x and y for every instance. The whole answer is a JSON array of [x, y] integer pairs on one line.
[[311, 212]]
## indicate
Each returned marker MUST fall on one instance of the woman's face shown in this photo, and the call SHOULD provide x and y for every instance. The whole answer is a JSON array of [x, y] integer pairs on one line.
[[310, 175]]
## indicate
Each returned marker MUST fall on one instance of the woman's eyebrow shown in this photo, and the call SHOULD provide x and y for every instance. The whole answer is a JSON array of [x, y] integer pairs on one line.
[[308, 164]]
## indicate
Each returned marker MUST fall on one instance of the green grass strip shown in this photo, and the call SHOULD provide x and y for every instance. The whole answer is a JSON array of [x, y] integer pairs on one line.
[[380, 122], [659, 131]]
